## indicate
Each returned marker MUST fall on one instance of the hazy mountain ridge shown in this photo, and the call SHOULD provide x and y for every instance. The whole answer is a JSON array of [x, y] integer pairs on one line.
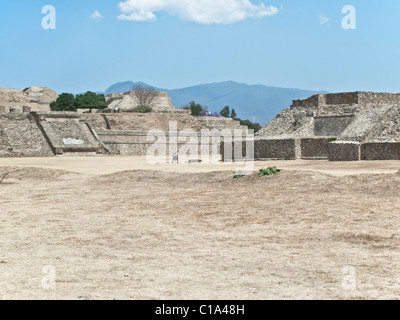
[[257, 103]]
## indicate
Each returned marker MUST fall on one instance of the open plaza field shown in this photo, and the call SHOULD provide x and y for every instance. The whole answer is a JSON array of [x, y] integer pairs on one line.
[[111, 227]]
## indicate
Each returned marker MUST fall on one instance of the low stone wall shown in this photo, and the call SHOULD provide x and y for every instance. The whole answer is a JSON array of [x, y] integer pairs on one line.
[[232, 151], [344, 151], [347, 98], [312, 101], [380, 151], [315, 148], [379, 98], [281, 149]]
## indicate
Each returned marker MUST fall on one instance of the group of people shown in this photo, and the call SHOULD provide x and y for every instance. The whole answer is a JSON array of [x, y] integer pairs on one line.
[[11, 109]]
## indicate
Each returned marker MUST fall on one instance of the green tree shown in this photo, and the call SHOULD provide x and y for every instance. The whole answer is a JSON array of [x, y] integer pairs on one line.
[[64, 102], [233, 114], [90, 100], [255, 126], [225, 112], [195, 108]]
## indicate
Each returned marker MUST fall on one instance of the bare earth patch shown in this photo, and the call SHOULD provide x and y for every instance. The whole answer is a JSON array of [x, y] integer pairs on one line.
[[117, 229]]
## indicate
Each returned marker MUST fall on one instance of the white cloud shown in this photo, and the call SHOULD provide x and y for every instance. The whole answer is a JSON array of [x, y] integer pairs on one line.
[[323, 19], [96, 16], [201, 11]]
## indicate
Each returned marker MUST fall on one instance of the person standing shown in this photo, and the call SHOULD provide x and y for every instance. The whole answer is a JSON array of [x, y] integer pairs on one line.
[[175, 157]]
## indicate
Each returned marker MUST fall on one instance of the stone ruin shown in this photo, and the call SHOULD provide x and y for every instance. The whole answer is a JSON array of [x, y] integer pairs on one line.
[[36, 99], [32, 130], [127, 100], [340, 127]]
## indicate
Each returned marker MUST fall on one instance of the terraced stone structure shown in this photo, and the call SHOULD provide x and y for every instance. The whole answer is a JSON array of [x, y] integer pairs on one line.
[[29, 99], [127, 101], [31, 130], [339, 127]]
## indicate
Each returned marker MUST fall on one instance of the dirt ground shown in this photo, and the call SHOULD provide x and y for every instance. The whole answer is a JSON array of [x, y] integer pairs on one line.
[[119, 228]]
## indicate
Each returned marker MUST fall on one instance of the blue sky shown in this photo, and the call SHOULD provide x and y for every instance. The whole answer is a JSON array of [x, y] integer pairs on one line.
[[284, 43]]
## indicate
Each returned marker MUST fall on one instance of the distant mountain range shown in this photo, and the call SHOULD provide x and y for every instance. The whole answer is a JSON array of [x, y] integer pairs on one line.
[[257, 103]]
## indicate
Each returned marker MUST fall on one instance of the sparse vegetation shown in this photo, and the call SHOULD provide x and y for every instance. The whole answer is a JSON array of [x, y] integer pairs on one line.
[[194, 108], [255, 126], [227, 113], [238, 174], [4, 175], [145, 95], [142, 109], [268, 171]]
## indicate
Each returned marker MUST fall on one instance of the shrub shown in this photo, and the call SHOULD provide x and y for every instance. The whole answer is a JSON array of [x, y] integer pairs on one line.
[[142, 109], [269, 171], [238, 174]]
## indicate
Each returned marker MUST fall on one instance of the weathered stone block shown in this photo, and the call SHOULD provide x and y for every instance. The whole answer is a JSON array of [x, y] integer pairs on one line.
[[315, 148], [344, 151], [380, 151], [284, 149]]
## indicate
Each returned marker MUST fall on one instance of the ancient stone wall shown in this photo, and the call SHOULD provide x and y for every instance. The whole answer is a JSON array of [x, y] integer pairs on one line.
[[68, 134], [128, 100], [21, 137], [313, 101], [344, 151], [358, 117], [380, 151], [315, 148], [147, 121], [379, 98], [282, 149], [222, 123], [347, 98], [137, 143], [30, 99]]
